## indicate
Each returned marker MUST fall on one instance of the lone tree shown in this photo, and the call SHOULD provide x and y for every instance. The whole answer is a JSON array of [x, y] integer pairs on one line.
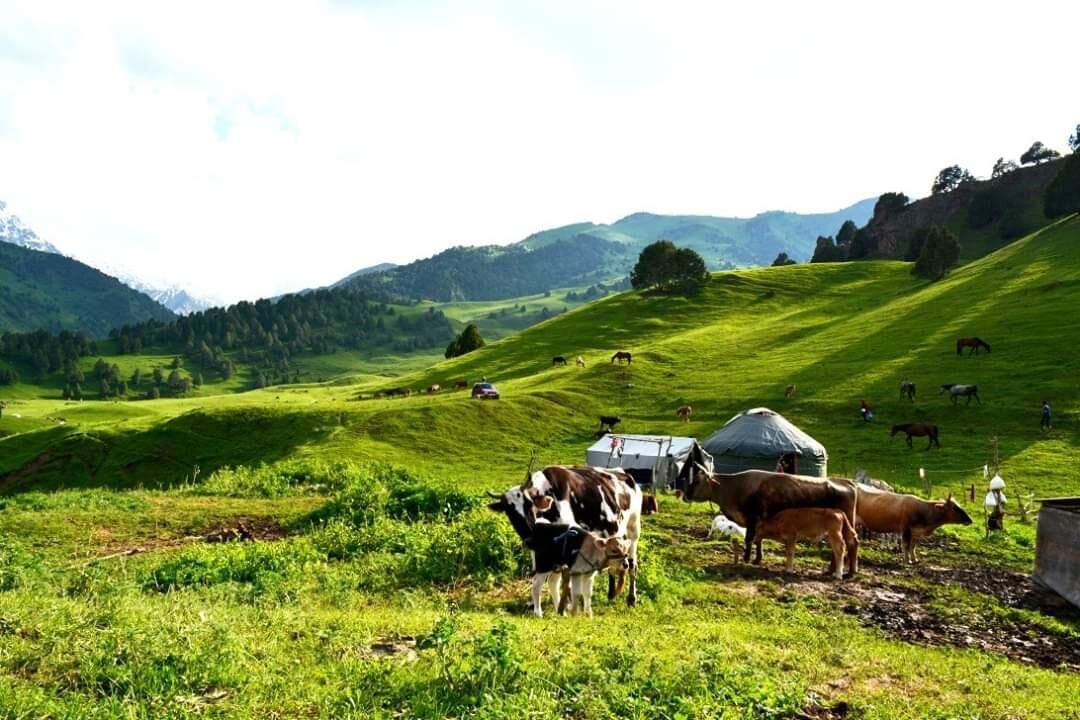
[[1074, 140], [940, 251], [950, 178], [667, 268], [783, 259], [1038, 153], [466, 342], [1003, 167]]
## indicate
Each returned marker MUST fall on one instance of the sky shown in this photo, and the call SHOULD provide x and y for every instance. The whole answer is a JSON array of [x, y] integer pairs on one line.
[[243, 149]]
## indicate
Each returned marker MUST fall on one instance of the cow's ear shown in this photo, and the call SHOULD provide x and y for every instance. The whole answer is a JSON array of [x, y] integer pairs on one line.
[[949, 499]]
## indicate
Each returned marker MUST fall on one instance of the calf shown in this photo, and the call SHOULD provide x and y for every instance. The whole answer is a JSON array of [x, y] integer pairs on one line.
[[913, 518], [603, 500], [813, 524], [569, 550], [751, 496], [608, 423]]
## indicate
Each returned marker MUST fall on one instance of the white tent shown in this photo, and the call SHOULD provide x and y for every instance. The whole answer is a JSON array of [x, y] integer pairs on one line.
[[651, 459]]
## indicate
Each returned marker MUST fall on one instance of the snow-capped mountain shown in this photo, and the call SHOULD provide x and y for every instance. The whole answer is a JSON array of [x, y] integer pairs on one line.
[[175, 298], [13, 231]]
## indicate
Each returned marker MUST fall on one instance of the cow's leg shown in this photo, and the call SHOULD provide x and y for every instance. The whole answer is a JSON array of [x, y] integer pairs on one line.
[[575, 593], [906, 538], [789, 554], [914, 557], [836, 541], [751, 536], [851, 543], [537, 591], [586, 593], [909, 441], [612, 587], [757, 552], [564, 577], [554, 583]]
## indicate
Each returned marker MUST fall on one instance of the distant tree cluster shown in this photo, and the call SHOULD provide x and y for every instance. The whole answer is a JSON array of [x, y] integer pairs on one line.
[[599, 290], [666, 268], [783, 259], [466, 342], [938, 251], [9, 376], [44, 352], [1003, 167]]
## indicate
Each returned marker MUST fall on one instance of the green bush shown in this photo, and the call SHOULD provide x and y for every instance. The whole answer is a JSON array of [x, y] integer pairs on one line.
[[261, 564], [18, 563], [281, 479]]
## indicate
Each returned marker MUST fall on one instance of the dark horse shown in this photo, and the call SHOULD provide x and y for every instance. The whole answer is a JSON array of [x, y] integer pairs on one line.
[[971, 342], [917, 430], [622, 355], [907, 390], [958, 391], [558, 360]]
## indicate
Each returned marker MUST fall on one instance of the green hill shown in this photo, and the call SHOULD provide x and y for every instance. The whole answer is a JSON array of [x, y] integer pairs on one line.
[[586, 253], [42, 290], [372, 591]]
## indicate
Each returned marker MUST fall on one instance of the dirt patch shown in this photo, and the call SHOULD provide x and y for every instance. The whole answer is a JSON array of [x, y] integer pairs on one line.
[[400, 648], [244, 529], [15, 478]]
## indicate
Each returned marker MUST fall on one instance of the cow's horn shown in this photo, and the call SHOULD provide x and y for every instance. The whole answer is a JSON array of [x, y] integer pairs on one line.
[[493, 496]]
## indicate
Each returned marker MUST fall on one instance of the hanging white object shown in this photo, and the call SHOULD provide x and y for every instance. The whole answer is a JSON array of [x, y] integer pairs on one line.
[[991, 500], [997, 483]]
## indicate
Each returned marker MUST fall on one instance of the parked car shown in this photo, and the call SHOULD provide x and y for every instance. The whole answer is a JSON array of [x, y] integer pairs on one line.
[[484, 391]]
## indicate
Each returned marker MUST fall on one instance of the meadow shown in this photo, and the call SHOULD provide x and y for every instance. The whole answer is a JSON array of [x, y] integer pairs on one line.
[[368, 580]]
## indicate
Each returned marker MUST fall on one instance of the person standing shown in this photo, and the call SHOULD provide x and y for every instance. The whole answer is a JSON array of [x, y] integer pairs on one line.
[[1044, 424], [867, 413]]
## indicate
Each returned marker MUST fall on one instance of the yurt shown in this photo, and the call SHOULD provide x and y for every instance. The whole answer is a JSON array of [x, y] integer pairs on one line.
[[766, 440]]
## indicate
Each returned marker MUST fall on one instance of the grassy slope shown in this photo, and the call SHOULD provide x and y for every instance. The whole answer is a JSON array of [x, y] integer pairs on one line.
[[45, 290], [841, 332]]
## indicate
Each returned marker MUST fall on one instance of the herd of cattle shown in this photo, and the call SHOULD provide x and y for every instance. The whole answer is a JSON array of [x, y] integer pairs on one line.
[[578, 521]]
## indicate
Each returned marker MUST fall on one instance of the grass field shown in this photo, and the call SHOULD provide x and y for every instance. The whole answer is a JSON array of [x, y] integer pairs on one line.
[[371, 593]]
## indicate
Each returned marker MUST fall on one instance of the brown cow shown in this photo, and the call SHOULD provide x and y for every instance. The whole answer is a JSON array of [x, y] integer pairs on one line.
[[685, 412], [750, 496], [813, 524], [911, 517]]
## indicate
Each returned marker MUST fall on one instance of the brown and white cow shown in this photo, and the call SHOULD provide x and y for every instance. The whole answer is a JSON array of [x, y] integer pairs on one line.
[[606, 501]]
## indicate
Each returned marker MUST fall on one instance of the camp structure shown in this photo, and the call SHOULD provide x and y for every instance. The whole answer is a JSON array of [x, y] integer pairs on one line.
[[765, 440], [650, 459], [1057, 547]]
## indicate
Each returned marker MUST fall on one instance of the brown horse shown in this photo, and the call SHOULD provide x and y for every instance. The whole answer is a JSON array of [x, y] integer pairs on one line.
[[685, 412], [789, 391], [918, 430], [973, 343], [622, 355], [461, 385]]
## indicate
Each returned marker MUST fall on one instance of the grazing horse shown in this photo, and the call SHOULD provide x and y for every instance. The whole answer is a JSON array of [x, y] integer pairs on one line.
[[622, 355], [685, 412], [558, 360], [907, 390], [461, 385], [580, 361], [918, 430], [958, 391], [789, 391], [971, 342]]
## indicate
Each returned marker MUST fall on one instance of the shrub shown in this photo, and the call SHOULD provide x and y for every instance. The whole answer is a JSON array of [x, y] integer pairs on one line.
[[297, 476], [19, 563], [257, 563], [479, 544]]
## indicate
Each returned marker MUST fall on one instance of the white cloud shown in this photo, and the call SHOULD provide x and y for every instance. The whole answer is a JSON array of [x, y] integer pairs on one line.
[[245, 148]]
